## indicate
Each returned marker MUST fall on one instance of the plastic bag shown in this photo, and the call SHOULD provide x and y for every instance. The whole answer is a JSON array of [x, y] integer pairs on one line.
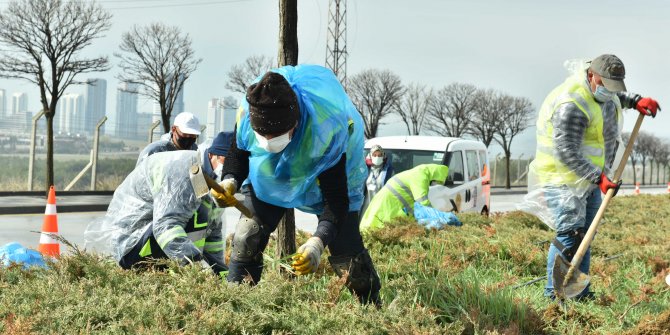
[[560, 207], [15, 253], [440, 196], [432, 218]]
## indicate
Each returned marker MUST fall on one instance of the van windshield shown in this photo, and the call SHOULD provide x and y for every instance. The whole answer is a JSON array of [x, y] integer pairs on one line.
[[402, 160]]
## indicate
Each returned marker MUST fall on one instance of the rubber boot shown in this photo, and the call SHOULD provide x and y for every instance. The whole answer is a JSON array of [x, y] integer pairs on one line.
[[362, 278]]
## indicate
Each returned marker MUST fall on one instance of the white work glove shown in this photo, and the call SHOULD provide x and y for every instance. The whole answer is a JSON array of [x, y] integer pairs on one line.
[[227, 199], [308, 257]]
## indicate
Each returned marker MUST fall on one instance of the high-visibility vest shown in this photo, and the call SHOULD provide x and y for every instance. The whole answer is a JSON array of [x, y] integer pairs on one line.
[[397, 197], [196, 231], [576, 90]]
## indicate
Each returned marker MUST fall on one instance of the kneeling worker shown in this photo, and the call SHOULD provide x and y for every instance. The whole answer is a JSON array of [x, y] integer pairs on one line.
[[397, 197], [151, 215]]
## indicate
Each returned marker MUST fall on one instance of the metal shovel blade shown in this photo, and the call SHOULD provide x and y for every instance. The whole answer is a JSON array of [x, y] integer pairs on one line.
[[575, 284]]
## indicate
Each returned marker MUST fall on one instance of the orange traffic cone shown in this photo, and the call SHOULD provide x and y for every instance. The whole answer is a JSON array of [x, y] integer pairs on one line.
[[48, 245], [637, 188]]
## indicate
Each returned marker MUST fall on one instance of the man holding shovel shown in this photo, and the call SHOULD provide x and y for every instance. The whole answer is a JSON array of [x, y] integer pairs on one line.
[[578, 131]]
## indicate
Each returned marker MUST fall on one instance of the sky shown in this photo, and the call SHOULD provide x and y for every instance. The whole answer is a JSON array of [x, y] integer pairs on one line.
[[514, 46]]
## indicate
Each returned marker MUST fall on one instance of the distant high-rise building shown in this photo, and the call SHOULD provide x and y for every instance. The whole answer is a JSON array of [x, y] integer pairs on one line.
[[3, 104], [220, 117], [96, 104], [126, 111], [214, 118], [71, 114], [143, 125], [19, 102], [229, 118]]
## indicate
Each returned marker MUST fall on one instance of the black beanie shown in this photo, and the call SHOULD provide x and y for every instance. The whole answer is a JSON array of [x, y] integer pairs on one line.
[[273, 106]]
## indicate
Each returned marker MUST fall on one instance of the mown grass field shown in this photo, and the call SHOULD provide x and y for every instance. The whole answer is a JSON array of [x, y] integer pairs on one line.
[[455, 281]]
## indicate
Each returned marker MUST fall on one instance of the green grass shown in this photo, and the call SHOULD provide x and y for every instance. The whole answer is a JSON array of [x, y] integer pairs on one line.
[[454, 281]]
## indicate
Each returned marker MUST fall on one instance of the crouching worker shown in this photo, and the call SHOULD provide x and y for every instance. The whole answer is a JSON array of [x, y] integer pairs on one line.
[[299, 144], [153, 215], [397, 197]]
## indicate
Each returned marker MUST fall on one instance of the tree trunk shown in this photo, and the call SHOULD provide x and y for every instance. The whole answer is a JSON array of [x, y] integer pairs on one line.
[[286, 235], [651, 172], [50, 152], [634, 173], [288, 33], [165, 120], [644, 166], [287, 55], [508, 185]]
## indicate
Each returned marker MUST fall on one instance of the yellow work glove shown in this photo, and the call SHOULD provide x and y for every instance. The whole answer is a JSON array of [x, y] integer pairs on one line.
[[227, 199], [308, 257]]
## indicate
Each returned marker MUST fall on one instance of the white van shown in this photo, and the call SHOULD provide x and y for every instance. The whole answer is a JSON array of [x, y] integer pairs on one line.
[[469, 180]]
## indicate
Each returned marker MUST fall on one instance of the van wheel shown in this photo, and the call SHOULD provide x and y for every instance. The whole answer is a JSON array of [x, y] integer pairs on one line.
[[485, 211]]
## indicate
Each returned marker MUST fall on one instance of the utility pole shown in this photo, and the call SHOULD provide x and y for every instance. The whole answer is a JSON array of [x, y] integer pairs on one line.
[[336, 50]]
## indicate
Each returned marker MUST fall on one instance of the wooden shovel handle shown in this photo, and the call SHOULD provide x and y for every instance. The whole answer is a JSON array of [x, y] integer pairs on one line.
[[211, 183], [588, 237]]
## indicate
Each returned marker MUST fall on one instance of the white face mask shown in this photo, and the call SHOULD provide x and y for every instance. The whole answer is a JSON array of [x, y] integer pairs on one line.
[[218, 171], [377, 160], [275, 145]]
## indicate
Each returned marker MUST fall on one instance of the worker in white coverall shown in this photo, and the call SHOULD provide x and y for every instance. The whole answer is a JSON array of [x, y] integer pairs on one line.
[[150, 215]]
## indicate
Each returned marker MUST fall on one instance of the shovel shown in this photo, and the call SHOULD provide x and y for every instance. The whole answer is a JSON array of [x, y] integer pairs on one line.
[[568, 280]]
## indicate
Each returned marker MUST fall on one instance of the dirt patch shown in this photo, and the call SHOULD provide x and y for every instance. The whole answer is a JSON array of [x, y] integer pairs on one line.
[[17, 326], [652, 325], [658, 264], [553, 313]]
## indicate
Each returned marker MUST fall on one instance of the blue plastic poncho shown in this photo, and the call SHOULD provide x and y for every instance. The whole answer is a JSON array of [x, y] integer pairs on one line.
[[329, 126], [16, 253]]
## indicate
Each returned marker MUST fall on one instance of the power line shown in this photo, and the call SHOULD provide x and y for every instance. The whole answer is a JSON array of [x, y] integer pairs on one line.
[[183, 3], [189, 4]]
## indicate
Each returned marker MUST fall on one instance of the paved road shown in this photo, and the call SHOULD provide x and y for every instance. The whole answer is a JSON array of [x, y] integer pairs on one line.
[[19, 227]]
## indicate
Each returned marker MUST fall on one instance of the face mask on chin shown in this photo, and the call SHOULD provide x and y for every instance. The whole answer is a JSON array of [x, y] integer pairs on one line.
[[275, 145], [602, 94]]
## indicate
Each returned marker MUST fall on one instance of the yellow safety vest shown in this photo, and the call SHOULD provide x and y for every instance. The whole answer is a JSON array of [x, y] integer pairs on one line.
[[574, 90], [397, 197]]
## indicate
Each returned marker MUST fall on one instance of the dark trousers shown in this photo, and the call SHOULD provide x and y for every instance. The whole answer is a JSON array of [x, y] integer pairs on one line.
[[347, 241]]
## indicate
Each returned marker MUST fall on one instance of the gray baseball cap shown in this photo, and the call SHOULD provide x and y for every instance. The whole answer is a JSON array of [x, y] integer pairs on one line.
[[612, 71]]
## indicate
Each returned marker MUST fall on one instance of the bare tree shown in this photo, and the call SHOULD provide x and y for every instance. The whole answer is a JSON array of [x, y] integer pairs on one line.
[[634, 156], [653, 152], [158, 58], [641, 149], [659, 158], [664, 158], [241, 76], [488, 110], [375, 93], [413, 107], [43, 40], [516, 119], [450, 110], [229, 102]]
